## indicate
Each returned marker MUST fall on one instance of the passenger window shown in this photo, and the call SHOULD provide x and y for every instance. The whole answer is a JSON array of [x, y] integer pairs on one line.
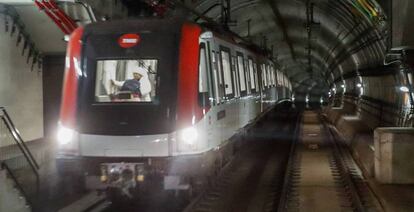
[[216, 77], [202, 71], [252, 77], [225, 62], [270, 70], [272, 75], [240, 64], [264, 75], [248, 81], [235, 77], [279, 83], [203, 96], [256, 79]]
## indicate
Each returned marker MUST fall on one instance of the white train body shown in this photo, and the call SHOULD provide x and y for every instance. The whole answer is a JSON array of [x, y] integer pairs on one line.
[[205, 100]]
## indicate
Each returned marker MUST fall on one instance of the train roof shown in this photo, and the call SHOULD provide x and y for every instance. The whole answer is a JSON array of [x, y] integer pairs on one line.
[[170, 25], [144, 24]]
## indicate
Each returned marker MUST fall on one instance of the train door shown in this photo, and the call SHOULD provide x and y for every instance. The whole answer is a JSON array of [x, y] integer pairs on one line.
[[256, 84], [226, 69], [248, 76], [252, 106], [243, 90], [225, 114], [219, 95], [205, 91]]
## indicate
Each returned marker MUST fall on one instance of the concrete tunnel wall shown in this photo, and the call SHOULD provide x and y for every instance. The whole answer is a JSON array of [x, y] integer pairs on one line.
[[20, 87], [379, 98]]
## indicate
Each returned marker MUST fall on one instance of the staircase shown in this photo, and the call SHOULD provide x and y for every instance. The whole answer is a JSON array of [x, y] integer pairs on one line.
[[11, 198], [19, 177]]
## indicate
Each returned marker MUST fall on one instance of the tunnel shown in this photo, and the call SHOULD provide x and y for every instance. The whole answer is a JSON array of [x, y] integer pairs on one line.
[[213, 105]]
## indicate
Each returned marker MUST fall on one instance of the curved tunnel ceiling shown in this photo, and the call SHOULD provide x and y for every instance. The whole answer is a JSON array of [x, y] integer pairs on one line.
[[348, 35]]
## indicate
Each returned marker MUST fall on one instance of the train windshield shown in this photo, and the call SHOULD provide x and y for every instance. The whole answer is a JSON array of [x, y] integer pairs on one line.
[[126, 80]]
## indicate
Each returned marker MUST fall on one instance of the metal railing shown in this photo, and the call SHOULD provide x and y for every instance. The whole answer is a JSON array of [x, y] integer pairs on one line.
[[16, 158], [18, 139]]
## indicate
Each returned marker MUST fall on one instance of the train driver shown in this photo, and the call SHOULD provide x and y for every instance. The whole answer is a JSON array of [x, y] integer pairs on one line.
[[139, 85]]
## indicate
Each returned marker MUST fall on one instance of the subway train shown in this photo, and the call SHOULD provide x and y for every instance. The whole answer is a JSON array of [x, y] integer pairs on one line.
[[158, 101]]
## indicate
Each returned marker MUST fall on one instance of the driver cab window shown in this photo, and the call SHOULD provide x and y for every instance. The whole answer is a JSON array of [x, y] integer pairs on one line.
[[126, 80]]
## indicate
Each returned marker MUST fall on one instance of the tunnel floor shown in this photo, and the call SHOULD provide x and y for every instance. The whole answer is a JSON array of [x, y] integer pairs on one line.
[[264, 175]]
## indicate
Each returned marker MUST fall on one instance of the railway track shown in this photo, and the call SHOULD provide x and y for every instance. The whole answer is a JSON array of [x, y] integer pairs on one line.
[[322, 175], [92, 202], [252, 181], [284, 167]]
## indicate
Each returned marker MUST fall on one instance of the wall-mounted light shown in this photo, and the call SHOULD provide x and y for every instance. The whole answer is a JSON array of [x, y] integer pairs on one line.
[[359, 85], [404, 89], [66, 38], [333, 89], [342, 86]]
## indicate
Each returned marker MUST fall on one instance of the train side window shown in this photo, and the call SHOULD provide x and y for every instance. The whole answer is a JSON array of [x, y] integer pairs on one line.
[[270, 68], [269, 76], [235, 77], [264, 75], [256, 79], [203, 95], [272, 82], [240, 65], [226, 67], [279, 80], [252, 77], [247, 72], [272, 75], [218, 83]]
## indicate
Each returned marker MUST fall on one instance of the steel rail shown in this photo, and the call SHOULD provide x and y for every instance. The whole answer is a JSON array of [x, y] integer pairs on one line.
[[339, 156], [282, 206]]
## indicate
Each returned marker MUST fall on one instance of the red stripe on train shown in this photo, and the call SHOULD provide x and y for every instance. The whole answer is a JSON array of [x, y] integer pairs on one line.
[[188, 111], [70, 80]]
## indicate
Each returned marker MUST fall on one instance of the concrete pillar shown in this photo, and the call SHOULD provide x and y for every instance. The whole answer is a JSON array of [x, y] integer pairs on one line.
[[394, 158]]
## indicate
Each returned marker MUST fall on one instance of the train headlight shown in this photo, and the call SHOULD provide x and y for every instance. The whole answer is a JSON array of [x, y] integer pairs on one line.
[[404, 89], [189, 135], [65, 135]]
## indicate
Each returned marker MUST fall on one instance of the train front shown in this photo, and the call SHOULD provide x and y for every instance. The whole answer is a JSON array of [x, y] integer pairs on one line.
[[118, 109]]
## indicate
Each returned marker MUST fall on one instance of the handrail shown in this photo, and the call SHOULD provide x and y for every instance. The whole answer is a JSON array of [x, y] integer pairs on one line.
[[26, 153], [19, 140], [19, 187]]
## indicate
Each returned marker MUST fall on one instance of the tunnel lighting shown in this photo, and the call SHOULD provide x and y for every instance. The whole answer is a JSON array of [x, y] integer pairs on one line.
[[404, 89], [359, 85], [64, 135], [66, 38], [189, 135], [342, 86]]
